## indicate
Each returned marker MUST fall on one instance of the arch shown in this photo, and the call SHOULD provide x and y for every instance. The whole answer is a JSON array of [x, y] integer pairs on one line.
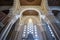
[[30, 13], [39, 12]]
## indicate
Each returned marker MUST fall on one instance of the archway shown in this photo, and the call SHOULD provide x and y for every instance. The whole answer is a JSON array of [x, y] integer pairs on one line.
[[30, 9]]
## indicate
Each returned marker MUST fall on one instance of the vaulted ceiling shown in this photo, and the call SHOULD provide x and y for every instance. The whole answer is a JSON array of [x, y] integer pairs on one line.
[[30, 2], [30, 13]]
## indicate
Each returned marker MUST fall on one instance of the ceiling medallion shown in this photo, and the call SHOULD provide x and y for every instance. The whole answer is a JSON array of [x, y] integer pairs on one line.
[[30, 0]]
